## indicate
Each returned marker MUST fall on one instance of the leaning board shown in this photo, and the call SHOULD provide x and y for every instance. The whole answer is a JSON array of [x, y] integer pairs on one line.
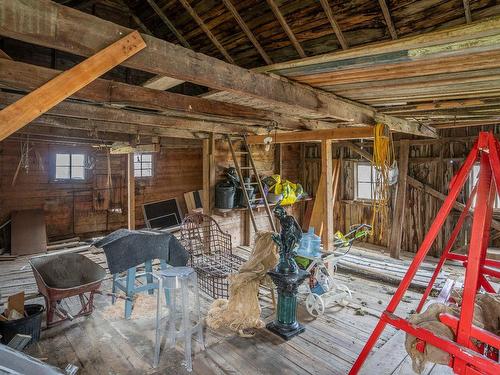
[[28, 233]]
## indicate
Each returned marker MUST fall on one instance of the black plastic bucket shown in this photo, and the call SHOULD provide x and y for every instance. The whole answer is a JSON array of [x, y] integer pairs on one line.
[[30, 325], [224, 195]]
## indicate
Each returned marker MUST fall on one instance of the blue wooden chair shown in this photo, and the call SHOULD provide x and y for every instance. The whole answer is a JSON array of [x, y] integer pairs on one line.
[[127, 284]]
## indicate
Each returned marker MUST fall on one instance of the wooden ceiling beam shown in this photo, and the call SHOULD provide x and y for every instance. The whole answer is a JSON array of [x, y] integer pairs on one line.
[[95, 127], [229, 5], [468, 14], [335, 26], [62, 28], [25, 77], [29, 107], [206, 30], [315, 135], [169, 24], [97, 112], [388, 19], [286, 28]]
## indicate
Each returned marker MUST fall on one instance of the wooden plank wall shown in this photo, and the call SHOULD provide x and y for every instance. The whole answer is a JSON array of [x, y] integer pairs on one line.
[[70, 207], [431, 164]]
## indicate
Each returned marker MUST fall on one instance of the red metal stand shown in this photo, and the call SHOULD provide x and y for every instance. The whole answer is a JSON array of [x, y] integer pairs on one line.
[[466, 358]]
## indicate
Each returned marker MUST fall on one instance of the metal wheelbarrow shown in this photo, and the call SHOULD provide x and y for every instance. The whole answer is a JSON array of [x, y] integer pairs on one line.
[[63, 276]]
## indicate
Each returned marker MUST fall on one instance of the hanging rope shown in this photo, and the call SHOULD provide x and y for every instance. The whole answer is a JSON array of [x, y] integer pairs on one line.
[[383, 159]]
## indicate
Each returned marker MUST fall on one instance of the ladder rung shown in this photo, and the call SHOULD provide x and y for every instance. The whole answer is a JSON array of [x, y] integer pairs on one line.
[[246, 168], [241, 152]]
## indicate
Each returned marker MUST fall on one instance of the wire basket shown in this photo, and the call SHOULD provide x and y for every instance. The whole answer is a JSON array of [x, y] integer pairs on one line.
[[211, 253]]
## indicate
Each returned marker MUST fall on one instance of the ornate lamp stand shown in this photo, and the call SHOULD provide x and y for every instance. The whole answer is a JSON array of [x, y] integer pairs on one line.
[[287, 276]]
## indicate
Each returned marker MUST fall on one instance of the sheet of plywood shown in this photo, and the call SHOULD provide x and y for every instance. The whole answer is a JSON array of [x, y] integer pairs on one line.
[[28, 233]]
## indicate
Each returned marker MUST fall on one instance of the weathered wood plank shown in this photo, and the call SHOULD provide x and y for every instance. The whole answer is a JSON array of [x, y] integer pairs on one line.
[[315, 135]]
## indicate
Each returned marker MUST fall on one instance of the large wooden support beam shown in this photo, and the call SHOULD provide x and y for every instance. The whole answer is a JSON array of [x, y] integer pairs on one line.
[[229, 5], [29, 107], [398, 215], [26, 77], [62, 28], [315, 135], [100, 113], [335, 26]]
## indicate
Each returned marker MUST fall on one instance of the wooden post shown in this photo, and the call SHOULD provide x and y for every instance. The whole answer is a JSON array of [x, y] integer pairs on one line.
[[209, 174], [327, 180], [278, 159], [399, 208], [130, 191]]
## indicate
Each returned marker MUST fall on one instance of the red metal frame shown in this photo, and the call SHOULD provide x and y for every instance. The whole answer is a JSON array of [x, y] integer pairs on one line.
[[466, 358]]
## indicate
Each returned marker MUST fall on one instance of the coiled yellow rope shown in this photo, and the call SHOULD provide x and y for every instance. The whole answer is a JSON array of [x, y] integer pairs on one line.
[[383, 156]]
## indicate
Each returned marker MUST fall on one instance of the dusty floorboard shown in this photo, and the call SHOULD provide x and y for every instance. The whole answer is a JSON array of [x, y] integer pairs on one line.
[[107, 344]]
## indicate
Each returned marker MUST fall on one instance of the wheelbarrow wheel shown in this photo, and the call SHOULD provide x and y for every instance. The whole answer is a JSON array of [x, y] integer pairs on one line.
[[315, 305]]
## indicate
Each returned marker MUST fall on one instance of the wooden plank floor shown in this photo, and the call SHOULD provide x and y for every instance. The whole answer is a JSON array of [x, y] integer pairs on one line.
[[105, 344]]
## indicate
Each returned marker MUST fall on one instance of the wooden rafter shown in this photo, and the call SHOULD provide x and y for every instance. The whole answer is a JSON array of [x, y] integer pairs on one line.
[[161, 57], [468, 14], [388, 19], [26, 109], [335, 26], [136, 19], [206, 30], [229, 5], [168, 23], [158, 82], [288, 30], [3, 55]]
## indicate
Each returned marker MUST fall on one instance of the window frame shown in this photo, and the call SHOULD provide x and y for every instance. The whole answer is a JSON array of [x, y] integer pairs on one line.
[[141, 162], [372, 182], [70, 179]]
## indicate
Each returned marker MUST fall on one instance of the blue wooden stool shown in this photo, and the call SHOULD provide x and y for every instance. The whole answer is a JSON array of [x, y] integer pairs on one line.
[[129, 287]]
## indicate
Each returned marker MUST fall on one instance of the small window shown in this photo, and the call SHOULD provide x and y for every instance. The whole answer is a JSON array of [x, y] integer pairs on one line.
[[473, 181], [365, 175], [70, 166], [143, 165]]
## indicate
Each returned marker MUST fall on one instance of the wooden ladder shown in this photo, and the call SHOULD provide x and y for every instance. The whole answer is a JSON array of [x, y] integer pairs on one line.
[[251, 167]]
